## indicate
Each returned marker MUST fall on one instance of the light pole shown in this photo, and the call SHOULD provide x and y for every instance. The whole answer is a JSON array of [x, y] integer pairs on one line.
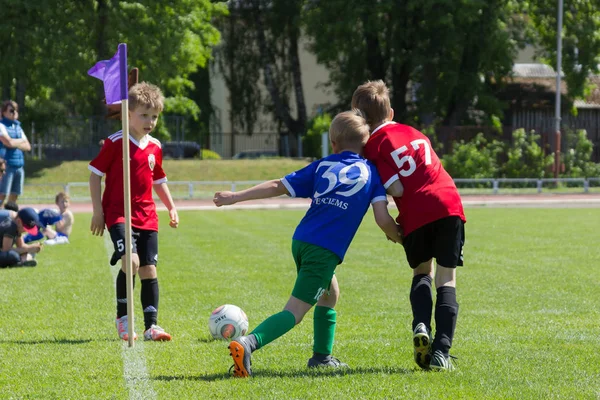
[[557, 105]]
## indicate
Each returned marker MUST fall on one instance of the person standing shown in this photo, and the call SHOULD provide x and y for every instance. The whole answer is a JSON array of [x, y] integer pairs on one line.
[[431, 216], [146, 102], [14, 142]]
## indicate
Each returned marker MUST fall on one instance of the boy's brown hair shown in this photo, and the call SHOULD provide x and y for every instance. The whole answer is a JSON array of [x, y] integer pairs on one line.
[[61, 195], [146, 95], [349, 129], [373, 98]]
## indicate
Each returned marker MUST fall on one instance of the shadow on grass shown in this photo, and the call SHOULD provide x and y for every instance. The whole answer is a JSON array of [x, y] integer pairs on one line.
[[290, 374], [34, 168], [55, 341]]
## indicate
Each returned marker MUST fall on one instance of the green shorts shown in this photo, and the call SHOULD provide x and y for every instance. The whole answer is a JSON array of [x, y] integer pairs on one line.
[[315, 266]]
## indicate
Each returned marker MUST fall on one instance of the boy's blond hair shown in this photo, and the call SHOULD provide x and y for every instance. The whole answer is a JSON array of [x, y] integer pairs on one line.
[[373, 98], [146, 95], [61, 195], [349, 129]]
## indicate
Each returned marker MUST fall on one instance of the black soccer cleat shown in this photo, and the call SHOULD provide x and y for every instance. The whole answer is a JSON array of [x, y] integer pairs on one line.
[[325, 361], [422, 344]]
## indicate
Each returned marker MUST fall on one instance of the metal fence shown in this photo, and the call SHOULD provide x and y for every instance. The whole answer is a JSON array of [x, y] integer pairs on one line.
[[78, 138], [203, 190]]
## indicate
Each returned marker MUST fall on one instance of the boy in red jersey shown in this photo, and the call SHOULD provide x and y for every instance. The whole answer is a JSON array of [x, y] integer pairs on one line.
[[145, 104], [431, 216]]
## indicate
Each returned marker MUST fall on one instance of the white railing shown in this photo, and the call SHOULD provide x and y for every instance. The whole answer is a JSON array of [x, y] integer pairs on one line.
[[188, 190]]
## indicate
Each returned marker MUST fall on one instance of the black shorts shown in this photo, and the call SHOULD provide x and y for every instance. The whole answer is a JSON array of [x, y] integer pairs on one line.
[[442, 240], [145, 243]]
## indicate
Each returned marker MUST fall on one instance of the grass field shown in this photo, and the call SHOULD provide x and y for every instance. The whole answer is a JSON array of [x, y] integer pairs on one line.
[[528, 323], [45, 178]]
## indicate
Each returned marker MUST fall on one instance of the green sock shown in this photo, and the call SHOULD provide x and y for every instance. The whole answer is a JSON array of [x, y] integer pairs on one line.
[[273, 327], [324, 326]]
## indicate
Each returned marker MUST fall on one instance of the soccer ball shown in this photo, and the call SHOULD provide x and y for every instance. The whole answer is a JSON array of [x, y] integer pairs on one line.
[[228, 322]]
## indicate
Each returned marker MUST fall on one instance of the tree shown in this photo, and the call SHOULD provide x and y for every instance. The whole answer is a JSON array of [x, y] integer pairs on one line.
[[53, 43], [438, 57], [581, 43], [261, 38]]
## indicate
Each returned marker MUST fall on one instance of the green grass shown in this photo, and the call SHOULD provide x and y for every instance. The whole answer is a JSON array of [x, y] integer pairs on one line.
[[43, 172], [188, 179], [43, 179], [527, 328]]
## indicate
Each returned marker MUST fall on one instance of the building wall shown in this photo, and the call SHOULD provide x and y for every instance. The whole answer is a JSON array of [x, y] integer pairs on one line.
[[226, 143]]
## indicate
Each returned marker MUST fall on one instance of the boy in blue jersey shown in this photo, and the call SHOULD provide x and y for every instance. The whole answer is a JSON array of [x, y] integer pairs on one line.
[[341, 186]]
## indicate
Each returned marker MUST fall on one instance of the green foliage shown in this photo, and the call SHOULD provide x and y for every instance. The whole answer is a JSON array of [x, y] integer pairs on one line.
[[577, 156], [474, 159], [480, 158], [525, 158], [580, 44], [49, 46], [312, 141], [207, 154], [446, 52]]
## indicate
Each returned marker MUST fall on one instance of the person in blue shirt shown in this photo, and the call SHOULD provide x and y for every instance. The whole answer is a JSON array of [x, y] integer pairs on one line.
[[342, 186], [13, 143]]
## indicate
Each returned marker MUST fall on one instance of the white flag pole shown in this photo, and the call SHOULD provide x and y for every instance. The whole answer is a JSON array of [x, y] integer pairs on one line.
[[127, 189]]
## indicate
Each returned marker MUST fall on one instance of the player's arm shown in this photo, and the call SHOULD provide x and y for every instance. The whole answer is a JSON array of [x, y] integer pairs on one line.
[[21, 247], [385, 221], [164, 194], [97, 225], [21, 144], [396, 189], [264, 190]]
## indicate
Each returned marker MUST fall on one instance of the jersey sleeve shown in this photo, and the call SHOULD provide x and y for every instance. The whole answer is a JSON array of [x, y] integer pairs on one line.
[[158, 175], [301, 183], [104, 159]]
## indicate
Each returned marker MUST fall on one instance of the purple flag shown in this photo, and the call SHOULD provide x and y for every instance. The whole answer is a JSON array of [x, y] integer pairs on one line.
[[111, 73]]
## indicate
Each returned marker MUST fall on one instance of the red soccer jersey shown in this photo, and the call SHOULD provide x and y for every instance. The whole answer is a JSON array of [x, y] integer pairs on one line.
[[402, 152], [145, 169]]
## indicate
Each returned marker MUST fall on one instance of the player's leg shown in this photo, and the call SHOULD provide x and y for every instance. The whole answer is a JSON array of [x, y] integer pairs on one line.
[[6, 183], [59, 238], [311, 282], [449, 247], [10, 258], [17, 185], [117, 235], [147, 247], [419, 253], [324, 322]]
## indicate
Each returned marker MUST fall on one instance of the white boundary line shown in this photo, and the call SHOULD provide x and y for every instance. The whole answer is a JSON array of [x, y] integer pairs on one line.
[[135, 372]]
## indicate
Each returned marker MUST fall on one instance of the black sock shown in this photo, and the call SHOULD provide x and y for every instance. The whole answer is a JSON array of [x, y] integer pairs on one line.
[[421, 300], [122, 293], [446, 312], [149, 298]]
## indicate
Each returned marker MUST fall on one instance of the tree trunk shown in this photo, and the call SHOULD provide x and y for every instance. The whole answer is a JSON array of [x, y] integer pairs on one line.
[[400, 78], [102, 51]]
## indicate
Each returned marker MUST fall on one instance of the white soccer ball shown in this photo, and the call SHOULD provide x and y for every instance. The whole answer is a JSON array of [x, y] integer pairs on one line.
[[228, 322]]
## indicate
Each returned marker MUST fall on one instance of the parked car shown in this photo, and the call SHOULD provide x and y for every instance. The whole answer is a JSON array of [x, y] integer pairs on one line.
[[252, 154], [180, 149]]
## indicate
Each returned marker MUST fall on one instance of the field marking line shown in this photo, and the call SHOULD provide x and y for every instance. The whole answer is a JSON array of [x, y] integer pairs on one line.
[[135, 372]]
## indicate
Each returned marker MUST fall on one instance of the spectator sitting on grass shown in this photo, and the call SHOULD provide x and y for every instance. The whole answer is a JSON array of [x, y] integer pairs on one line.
[[15, 252], [62, 219]]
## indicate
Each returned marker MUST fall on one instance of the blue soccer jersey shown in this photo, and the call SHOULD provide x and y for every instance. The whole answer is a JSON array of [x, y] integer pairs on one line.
[[49, 216], [341, 186]]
